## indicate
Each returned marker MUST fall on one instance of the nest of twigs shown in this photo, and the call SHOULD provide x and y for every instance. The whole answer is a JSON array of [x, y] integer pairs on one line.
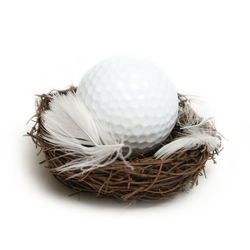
[[150, 179]]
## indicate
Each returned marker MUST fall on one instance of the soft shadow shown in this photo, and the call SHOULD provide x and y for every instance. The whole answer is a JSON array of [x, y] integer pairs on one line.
[[39, 172], [47, 181]]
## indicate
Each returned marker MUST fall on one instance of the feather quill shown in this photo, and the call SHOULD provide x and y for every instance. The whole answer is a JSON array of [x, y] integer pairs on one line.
[[70, 125]]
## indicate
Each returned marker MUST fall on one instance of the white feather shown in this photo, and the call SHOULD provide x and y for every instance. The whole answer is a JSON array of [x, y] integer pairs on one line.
[[196, 132], [194, 138], [70, 125]]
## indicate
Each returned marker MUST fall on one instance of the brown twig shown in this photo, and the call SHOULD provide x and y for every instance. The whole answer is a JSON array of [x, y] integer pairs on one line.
[[151, 179]]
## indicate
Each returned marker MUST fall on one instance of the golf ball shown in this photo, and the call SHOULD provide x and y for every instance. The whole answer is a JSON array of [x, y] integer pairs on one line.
[[133, 98]]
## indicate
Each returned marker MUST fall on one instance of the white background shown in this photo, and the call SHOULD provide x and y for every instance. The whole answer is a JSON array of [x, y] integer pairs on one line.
[[205, 48]]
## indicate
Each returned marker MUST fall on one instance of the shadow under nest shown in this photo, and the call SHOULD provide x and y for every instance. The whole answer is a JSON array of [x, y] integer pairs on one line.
[[151, 179]]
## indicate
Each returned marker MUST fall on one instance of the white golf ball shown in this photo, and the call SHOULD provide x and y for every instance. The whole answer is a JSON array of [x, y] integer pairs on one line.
[[133, 98]]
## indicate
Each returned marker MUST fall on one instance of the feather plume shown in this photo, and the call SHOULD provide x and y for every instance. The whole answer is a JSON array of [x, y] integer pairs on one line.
[[196, 132], [193, 138], [70, 125]]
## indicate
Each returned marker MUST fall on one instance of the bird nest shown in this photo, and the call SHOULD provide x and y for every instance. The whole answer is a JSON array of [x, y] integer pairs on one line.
[[150, 179]]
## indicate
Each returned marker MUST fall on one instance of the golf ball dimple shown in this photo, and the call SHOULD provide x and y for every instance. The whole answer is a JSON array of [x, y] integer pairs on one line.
[[133, 99]]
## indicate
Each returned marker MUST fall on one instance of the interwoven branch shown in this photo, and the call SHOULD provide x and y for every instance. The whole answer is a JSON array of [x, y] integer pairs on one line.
[[150, 179]]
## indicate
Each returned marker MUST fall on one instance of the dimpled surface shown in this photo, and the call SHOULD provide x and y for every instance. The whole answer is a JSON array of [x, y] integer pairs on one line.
[[133, 98]]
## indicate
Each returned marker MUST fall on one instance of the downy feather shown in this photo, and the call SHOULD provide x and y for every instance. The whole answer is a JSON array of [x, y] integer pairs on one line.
[[70, 125], [194, 137], [196, 132]]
